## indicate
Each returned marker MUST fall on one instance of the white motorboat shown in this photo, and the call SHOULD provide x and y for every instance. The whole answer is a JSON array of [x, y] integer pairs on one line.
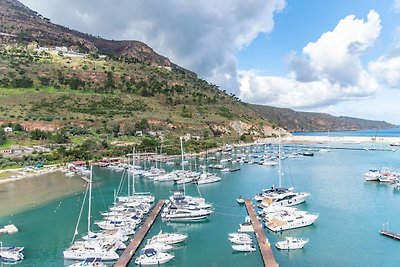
[[178, 214], [207, 178], [285, 220], [11, 254], [244, 248], [167, 238], [291, 243], [372, 175], [89, 262], [152, 257], [281, 197], [238, 235], [161, 247], [247, 226], [284, 199], [240, 240]]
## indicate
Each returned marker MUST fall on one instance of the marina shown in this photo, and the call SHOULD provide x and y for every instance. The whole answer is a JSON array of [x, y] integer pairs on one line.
[[332, 196]]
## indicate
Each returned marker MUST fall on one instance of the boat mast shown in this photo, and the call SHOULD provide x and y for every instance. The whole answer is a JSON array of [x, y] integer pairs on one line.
[[90, 200], [279, 161], [133, 172], [129, 181], [182, 163]]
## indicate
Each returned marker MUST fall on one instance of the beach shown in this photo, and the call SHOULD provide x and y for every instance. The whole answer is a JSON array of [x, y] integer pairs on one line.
[[11, 175]]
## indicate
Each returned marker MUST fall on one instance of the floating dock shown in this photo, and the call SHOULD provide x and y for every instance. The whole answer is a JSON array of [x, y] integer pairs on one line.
[[263, 244], [139, 236], [390, 234]]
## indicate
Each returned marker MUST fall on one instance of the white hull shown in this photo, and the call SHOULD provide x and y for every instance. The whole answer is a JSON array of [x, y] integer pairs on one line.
[[291, 243], [296, 200], [158, 259], [84, 254], [244, 248], [293, 224]]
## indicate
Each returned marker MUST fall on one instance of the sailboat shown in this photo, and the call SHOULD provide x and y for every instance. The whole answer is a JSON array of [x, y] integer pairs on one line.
[[182, 208], [146, 197], [283, 197], [81, 250]]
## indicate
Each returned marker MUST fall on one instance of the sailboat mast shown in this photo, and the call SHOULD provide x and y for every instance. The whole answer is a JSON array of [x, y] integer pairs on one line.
[[279, 162], [133, 172], [90, 199], [182, 163]]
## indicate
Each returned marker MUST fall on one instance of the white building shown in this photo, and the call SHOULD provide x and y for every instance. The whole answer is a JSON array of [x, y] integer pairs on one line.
[[7, 129]]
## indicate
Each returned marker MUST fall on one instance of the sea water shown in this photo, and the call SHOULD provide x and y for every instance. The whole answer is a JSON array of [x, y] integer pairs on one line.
[[351, 212], [391, 132]]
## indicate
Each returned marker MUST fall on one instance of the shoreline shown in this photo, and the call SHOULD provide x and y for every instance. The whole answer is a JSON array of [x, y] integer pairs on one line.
[[11, 175]]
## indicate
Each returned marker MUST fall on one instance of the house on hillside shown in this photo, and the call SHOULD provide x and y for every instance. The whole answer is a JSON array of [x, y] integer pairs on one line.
[[7, 129]]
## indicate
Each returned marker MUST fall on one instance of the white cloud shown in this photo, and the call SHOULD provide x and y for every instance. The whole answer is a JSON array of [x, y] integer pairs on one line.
[[327, 72], [387, 68], [202, 35], [396, 6]]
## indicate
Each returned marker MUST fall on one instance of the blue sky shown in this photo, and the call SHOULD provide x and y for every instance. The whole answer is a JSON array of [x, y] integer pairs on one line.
[[336, 56], [304, 21]]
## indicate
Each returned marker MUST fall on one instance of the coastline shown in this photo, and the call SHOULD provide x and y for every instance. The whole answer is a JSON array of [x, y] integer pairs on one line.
[[309, 139], [11, 175]]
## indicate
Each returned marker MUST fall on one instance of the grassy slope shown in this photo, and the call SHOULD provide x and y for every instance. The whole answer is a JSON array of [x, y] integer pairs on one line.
[[139, 91]]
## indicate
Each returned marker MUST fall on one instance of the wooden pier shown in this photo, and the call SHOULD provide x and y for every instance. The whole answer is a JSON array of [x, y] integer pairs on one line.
[[263, 244], [139, 236], [390, 234]]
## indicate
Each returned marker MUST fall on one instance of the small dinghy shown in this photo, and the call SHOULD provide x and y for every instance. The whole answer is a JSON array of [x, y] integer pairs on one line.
[[291, 243], [240, 200], [244, 248]]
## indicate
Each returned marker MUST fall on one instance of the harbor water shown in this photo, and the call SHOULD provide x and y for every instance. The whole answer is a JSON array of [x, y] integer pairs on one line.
[[351, 213]]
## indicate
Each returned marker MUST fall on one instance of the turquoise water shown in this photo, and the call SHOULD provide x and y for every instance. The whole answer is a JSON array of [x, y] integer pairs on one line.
[[393, 132], [351, 211]]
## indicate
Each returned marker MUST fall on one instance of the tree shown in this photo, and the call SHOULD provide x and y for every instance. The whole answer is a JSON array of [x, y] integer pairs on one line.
[[2, 136], [38, 134], [61, 137], [142, 125]]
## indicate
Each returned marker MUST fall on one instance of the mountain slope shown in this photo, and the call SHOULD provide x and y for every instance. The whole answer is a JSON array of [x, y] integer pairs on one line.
[[294, 121], [146, 84], [20, 24]]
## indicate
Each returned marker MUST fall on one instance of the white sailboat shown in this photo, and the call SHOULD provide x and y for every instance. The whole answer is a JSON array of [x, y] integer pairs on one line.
[[145, 197], [81, 250], [284, 197], [182, 208]]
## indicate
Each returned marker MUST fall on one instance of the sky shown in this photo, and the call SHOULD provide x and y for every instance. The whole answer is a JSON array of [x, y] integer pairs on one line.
[[336, 56]]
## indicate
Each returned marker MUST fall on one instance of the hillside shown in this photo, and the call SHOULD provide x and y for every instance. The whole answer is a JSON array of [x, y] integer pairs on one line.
[[295, 121], [19, 24], [52, 76]]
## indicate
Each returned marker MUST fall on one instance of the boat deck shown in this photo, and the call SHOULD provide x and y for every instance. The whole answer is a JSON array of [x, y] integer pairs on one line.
[[263, 244], [139, 236], [390, 234]]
